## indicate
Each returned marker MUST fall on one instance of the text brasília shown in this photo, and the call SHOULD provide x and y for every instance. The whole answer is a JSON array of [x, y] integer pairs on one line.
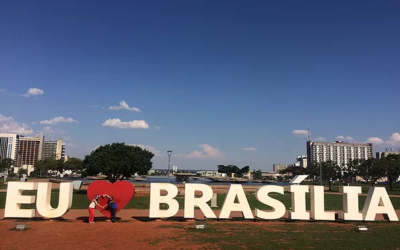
[[377, 202]]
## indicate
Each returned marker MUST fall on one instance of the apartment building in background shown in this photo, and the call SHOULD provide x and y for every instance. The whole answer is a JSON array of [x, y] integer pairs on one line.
[[380, 155], [54, 150], [278, 167], [30, 150], [8, 146], [302, 160], [340, 152]]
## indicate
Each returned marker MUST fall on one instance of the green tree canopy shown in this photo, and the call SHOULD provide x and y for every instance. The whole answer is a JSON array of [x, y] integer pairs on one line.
[[22, 171], [257, 175], [330, 171], [74, 164], [118, 161], [391, 165], [371, 170], [233, 169], [6, 164], [293, 170]]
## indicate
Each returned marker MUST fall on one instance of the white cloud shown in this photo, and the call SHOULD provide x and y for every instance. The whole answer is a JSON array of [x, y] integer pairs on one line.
[[300, 132], [33, 92], [8, 125], [249, 149], [375, 140], [321, 139], [345, 138], [207, 152], [57, 120], [157, 127], [2, 91], [148, 148], [394, 140], [117, 123], [73, 145], [124, 105], [67, 138], [49, 131]]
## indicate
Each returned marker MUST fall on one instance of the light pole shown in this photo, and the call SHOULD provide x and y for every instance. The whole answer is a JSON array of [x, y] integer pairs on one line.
[[169, 152]]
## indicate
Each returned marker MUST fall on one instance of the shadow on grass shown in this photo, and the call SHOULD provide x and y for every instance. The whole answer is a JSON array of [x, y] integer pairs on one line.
[[171, 219], [96, 219], [81, 191]]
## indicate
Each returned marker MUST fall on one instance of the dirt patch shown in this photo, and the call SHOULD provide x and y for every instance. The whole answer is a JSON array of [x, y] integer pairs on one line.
[[73, 234], [78, 235]]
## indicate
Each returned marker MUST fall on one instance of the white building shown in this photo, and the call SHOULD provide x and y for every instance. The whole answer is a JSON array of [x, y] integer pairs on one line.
[[279, 167], [8, 146], [340, 152], [302, 161], [54, 150], [210, 174]]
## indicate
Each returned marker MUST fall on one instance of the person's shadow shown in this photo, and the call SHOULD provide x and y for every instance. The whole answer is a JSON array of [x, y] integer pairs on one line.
[[96, 219]]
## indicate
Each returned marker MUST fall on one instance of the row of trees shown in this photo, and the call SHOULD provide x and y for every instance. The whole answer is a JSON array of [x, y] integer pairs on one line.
[[233, 169], [43, 166], [117, 161], [369, 170]]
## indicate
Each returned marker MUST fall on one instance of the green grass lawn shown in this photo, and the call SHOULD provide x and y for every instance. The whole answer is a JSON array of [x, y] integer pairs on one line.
[[2, 185], [80, 201], [310, 235]]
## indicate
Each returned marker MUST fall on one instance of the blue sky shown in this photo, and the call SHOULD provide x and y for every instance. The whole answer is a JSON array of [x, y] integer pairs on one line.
[[217, 82]]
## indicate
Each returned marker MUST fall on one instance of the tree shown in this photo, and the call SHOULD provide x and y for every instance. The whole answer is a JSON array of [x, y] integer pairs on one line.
[[233, 169], [293, 170], [59, 165], [43, 166], [312, 170], [22, 171], [245, 169], [371, 170], [391, 165], [330, 171], [6, 164], [74, 164], [257, 175], [118, 161], [228, 170], [352, 168]]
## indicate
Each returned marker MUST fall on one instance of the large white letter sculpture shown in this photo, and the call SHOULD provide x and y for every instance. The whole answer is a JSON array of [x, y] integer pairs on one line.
[[15, 199], [191, 201], [277, 206], [156, 199], [350, 203], [378, 202], [236, 190], [318, 204], [64, 202], [299, 211]]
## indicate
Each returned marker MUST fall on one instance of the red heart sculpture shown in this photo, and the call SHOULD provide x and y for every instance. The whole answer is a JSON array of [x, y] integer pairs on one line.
[[122, 191]]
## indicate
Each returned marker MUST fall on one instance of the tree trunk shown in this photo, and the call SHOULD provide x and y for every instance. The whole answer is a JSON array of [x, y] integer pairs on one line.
[[390, 183], [330, 187]]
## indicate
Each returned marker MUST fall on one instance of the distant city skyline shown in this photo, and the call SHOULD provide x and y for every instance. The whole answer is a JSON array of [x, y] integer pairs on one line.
[[226, 82]]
